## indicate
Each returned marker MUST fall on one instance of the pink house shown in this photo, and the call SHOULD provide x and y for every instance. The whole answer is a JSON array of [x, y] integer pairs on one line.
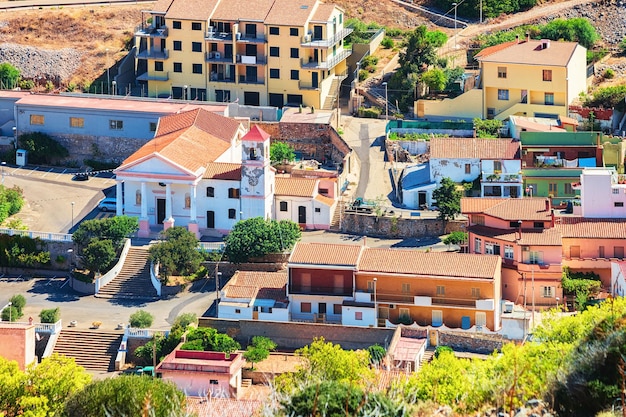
[[203, 374], [18, 343], [522, 232]]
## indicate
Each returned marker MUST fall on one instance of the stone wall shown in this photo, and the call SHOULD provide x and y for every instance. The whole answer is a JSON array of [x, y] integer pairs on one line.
[[228, 269], [475, 343], [101, 148], [392, 226], [291, 336]]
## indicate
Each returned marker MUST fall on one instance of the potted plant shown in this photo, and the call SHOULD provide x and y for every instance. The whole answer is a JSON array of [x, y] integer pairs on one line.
[[96, 324], [493, 177]]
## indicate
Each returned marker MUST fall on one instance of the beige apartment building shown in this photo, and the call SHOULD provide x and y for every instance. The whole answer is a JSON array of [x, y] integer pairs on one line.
[[256, 52]]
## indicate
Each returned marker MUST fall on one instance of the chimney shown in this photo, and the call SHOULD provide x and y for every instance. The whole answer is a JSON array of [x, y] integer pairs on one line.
[[552, 221], [519, 230], [516, 38], [527, 36], [548, 204], [545, 43]]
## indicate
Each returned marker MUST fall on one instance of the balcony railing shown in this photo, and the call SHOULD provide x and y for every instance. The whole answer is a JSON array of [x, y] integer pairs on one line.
[[316, 318], [425, 300], [220, 77], [243, 79], [151, 31], [251, 60], [331, 61], [219, 36], [310, 41], [161, 76], [319, 290], [218, 57], [243, 37], [153, 54], [493, 177]]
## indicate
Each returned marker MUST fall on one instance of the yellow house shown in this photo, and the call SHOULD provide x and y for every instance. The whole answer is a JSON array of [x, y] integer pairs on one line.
[[259, 52], [534, 78]]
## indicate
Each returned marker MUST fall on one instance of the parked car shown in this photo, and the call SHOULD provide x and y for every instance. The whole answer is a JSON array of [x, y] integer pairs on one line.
[[108, 204], [81, 176]]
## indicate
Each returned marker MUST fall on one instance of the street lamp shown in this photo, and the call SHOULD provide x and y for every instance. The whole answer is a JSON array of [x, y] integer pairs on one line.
[[386, 102], [217, 290], [3, 164], [114, 87], [15, 136], [72, 217], [10, 312], [71, 253], [108, 73], [375, 305], [454, 4], [184, 92]]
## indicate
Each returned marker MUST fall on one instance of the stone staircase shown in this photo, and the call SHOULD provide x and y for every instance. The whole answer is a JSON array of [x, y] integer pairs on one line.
[[94, 350], [334, 222], [329, 102], [429, 353], [133, 281]]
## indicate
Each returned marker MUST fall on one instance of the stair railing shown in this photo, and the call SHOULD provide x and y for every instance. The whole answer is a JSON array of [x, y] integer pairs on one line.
[[154, 277], [114, 272]]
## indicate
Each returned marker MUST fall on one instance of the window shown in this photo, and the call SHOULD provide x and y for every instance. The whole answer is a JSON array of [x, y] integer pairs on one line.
[[318, 210], [294, 53], [574, 251], [547, 75], [497, 166], [294, 32], [549, 99], [615, 190], [476, 293], [600, 251], [116, 124], [237, 311], [441, 290], [567, 188], [138, 197], [295, 74], [196, 26], [36, 119], [187, 200], [153, 127], [481, 318], [503, 94], [274, 51], [538, 225], [196, 46], [488, 248], [77, 122], [274, 30], [553, 188], [501, 72], [213, 382], [479, 219], [437, 317], [274, 73], [210, 192], [618, 252], [404, 314], [514, 224], [547, 292], [232, 213], [535, 257], [305, 307], [406, 288], [178, 46], [176, 24], [468, 168], [283, 206], [508, 252], [233, 193], [477, 245], [158, 66], [197, 68], [178, 67], [619, 204], [358, 315]]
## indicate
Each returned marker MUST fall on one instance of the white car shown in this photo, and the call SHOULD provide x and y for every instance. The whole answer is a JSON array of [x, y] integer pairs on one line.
[[108, 204]]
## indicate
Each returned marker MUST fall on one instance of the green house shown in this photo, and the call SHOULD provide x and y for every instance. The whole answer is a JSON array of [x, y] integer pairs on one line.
[[553, 182]]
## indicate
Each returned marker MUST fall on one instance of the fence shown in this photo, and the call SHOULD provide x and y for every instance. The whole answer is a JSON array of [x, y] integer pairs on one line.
[[47, 236], [211, 246]]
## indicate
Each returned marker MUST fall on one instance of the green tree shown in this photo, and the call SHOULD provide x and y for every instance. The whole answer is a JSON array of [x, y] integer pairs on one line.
[[448, 198], [11, 201], [42, 148], [488, 128], [127, 395], [257, 237], [10, 313], [51, 315], [178, 253], [9, 76], [19, 302], [259, 349], [612, 96], [622, 45], [141, 319], [98, 256], [165, 345], [435, 79], [115, 229], [455, 238], [576, 29], [281, 152], [208, 339], [377, 353]]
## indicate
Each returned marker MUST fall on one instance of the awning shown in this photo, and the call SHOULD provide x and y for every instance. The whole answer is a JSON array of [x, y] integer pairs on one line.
[[264, 303], [537, 149]]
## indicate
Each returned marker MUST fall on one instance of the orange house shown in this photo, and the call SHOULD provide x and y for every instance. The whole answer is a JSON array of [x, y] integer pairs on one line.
[[432, 288], [522, 232]]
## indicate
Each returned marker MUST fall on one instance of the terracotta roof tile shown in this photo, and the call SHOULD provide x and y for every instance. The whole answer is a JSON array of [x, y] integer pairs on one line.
[[196, 10], [325, 200], [530, 53], [295, 187], [402, 261], [290, 12], [261, 279], [579, 227], [219, 407], [510, 209], [161, 6], [258, 284], [493, 49], [326, 254], [256, 134], [223, 171], [451, 148], [324, 12], [530, 237], [240, 291], [242, 10], [219, 126], [568, 120]]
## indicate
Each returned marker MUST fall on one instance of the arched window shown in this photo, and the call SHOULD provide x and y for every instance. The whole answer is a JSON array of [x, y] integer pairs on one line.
[[187, 200], [138, 197]]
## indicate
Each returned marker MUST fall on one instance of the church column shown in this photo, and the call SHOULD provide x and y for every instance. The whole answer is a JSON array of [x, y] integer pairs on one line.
[[144, 222], [119, 203], [169, 220], [193, 221]]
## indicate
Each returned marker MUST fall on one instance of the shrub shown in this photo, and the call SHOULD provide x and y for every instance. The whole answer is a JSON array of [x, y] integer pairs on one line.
[[370, 113], [18, 301], [440, 349], [10, 314], [42, 148], [609, 73], [51, 315], [141, 319], [387, 42], [377, 353]]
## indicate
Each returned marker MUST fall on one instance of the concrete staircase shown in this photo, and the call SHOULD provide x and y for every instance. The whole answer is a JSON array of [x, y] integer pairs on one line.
[[329, 102], [133, 281], [428, 355], [94, 350], [334, 222]]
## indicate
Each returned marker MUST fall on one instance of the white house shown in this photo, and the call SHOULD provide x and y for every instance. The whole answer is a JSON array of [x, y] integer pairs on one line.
[[602, 193], [618, 278], [255, 295], [310, 202]]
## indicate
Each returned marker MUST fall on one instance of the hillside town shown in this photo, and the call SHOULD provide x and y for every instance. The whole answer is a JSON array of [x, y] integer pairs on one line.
[[261, 205]]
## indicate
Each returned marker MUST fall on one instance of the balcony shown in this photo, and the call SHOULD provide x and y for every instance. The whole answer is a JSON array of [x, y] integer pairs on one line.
[[308, 41], [218, 36], [543, 161], [307, 85], [161, 76], [330, 63], [540, 268], [319, 290], [218, 57], [153, 54], [243, 79], [428, 301], [151, 31], [506, 178], [250, 38], [316, 318], [251, 60], [220, 77]]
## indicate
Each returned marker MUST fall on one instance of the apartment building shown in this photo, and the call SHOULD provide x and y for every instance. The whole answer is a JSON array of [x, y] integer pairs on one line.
[[260, 52]]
